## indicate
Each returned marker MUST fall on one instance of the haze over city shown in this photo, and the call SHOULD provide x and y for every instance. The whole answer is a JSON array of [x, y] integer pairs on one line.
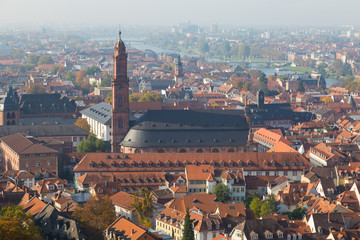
[[164, 12]]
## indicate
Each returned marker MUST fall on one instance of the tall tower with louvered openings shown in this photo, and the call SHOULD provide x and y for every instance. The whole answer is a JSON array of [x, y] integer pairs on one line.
[[120, 97], [179, 72]]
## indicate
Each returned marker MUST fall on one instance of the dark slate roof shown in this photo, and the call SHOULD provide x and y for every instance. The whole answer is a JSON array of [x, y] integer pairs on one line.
[[188, 128], [10, 101], [56, 226], [46, 104], [276, 111], [100, 112], [43, 130], [46, 121]]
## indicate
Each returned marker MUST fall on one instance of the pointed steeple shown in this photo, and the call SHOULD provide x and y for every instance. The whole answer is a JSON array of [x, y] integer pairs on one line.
[[352, 101]]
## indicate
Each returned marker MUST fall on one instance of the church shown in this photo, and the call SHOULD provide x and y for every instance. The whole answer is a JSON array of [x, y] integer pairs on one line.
[[189, 131], [171, 131]]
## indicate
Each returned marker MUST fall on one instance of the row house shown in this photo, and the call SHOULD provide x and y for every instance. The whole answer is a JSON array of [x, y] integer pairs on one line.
[[268, 138], [251, 164]]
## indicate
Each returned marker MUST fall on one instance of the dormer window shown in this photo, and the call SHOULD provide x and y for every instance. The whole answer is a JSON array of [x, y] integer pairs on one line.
[[91, 165], [112, 164], [139, 180], [132, 164], [158, 164], [146, 180], [240, 164], [293, 164], [100, 191], [100, 165], [284, 164], [153, 180], [140, 164], [60, 186], [273, 164], [266, 164], [249, 164], [167, 164], [176, 164], [254, 236], [122, 164], [149, 164], [301, 163], [159, 179], [268, 234], [280, 234]]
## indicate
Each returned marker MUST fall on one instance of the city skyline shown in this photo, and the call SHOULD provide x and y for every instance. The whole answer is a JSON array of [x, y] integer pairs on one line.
[[160, 12]]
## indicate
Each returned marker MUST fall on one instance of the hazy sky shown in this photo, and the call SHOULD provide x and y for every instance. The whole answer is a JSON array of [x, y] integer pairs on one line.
[[167, 12]]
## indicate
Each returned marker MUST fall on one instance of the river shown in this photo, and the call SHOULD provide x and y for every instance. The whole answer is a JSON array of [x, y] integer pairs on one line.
[[268, 71]]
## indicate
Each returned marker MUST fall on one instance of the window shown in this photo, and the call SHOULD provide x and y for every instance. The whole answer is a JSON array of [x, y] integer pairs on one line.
[[294, 173], [215, 150], [199, 150], [285, 173], [231, 150], [37, 154], [182, 150], [161, 151], [121, 101], [137, 151], [120, 123], [37, 164]]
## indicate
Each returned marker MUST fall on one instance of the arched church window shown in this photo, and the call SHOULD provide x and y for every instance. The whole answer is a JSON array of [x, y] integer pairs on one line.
[[13, 122], [13, 115], [8, 123], [199, 150], [182, 150], [161, 151], [8, 115]]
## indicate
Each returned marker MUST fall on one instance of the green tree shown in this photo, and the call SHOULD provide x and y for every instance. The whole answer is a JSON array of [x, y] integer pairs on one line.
[[222, 192], [92, 144], [18, 54], [95, 216], [297, 214], [269, 206], [243, 52], [300, 87], [204, 47], [16, 224], [255, 205], [143, 207], [33, 59], [109, 98], [106, 82], [188, 230], [249, 198], [45, 60], [93, 70], [225, 49], [321, 68], [70, 76]]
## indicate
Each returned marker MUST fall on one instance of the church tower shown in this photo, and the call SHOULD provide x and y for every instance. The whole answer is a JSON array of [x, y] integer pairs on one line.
[[120, 97], [179, 72]]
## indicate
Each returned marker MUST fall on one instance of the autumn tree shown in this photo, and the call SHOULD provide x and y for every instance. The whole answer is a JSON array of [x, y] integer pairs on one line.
[[143, 207], [133, 98], [80, 78], [326, 99], [35, 89], [82, 123], [92, 144], [151, 97], [222, 192], [95, 216], [16, 224], [188, 230]]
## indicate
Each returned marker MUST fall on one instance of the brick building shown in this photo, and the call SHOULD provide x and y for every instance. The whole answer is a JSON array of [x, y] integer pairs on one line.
[[21, 152]]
